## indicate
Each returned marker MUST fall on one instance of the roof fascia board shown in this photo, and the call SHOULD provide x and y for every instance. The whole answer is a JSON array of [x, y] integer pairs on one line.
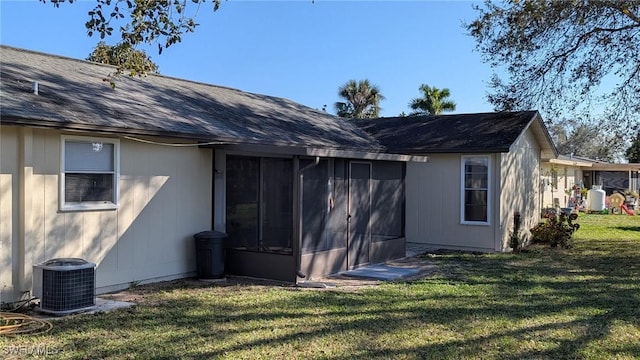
[[328, 153], [458, 151], [366, 155], [616, 167], [545, 131], [593, 166], [541, 133], [66, 126], [570, 162]]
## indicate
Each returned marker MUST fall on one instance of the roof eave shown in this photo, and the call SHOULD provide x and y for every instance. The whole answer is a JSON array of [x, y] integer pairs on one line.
[[454, 151], [548, 148], [360, 154], [224, 143], [570, 162], [615, 167]]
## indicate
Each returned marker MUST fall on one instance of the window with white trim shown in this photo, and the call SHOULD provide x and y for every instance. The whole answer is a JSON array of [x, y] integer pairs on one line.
[[89, 171], [476, 194]]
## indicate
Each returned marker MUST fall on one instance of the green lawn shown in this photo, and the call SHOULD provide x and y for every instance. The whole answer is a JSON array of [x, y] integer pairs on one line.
[[581, 303]]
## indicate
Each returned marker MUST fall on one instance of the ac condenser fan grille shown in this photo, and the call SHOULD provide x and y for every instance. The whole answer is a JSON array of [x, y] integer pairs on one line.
[[67, 290], [65, 285]]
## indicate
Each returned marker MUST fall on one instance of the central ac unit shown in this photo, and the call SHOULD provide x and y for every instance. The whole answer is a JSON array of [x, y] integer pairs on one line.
[[65, 285]]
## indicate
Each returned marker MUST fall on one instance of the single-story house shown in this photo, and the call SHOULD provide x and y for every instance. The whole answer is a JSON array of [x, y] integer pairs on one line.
[[562, 181], [612, 177], [564, 175], [125, 177], [483, 170]]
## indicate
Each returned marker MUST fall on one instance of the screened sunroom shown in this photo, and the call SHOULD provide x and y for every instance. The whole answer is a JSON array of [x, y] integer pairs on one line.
[[293, 217]]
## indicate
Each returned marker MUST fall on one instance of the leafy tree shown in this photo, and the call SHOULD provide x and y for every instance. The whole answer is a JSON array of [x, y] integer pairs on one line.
[[564, 58], [434, 101], [123, 56], [584, 139], [160, 22], [362, 100], [633, 152]]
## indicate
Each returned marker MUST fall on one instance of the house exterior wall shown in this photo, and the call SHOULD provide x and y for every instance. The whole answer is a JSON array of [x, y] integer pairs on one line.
[[165, 198], [8, 205], [434, 198], [433, 206], [554, 187], [519, 189]]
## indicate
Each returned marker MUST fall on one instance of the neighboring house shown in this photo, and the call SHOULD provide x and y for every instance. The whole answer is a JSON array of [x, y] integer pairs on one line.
[[125, 177], [565, 172], [561, 177], [482, 170], [612, 177]]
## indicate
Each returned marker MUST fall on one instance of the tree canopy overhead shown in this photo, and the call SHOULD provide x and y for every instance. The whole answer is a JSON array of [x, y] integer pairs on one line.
[[161, 22], [151, 22], [568, 59], [124, 57], [583, 139], [633, 151], [122, 54]]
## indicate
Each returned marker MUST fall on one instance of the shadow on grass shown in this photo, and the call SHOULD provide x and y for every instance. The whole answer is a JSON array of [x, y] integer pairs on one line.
[[576, 303], [628, 228], [235, 322]]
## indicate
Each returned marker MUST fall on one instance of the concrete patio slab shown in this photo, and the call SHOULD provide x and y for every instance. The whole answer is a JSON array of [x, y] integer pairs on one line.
[[101, 305], [382, 272]]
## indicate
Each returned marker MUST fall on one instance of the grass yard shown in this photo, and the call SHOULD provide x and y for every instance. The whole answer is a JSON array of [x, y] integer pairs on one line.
[[581, 303]]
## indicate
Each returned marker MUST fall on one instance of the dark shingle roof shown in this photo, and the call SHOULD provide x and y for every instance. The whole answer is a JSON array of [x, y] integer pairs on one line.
[[482, 132], [73, 95]]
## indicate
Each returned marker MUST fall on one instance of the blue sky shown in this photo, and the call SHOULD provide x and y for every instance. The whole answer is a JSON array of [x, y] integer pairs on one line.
[[300, 50]]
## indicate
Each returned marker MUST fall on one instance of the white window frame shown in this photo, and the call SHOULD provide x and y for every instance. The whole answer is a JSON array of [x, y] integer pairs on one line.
[[90, 205], [489, 189]]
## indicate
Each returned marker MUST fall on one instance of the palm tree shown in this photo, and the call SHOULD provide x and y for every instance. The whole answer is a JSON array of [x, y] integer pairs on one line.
[[362, 100], [433, 101]]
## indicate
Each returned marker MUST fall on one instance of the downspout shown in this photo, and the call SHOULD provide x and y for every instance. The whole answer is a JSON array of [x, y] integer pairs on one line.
[[298, 216], [213, 188], [25, 224]]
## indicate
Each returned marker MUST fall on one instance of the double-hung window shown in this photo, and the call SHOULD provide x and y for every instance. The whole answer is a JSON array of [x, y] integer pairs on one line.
[[476, 194], [89, 170]]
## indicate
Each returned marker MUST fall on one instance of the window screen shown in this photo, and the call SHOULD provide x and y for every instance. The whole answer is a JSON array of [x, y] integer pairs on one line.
[[324, 205], [315, 193], [387, 196], [259, 209], [277, 200], [242, 183]]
